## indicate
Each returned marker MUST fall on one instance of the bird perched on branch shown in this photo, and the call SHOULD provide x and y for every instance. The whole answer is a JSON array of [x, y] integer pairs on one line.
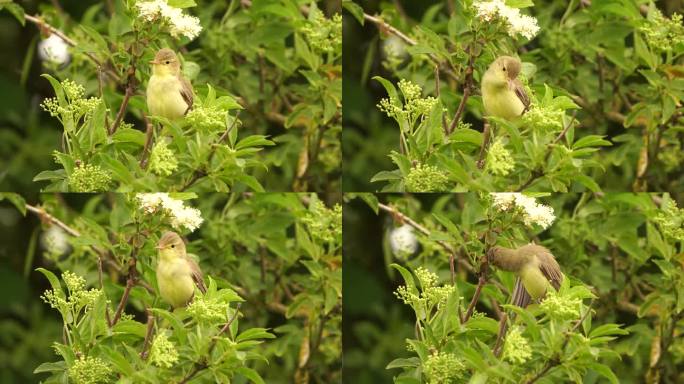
[[177, 273], [503, 95], [169, 93], [535, 266]]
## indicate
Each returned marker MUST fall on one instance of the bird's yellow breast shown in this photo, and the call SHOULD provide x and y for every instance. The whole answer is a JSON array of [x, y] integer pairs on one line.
[[503, 103], [175, 281], [164, 97], [534, 281]]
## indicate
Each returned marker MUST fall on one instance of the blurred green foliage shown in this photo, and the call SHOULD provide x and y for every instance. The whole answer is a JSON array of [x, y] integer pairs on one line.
[[280, 253], [625, 76], [626, 248]]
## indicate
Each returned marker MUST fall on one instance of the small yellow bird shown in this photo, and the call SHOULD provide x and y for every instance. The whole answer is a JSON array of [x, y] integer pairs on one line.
[[536, 267], [503, 95], [177, 273], [169, 94]]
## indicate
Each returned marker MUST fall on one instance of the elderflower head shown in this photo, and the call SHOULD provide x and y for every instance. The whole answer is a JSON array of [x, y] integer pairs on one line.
[[516, 22], [178, 22], [89, 178], [499, 159], [162, 352], [77, 105], [516, 349], [90, 370], [323, 34], [670, 219], [661, 33], [431, 294], [323, 223], [533, 212], [205, 309], [560, 307], [180, 216], [209, 118], [545, 118], [426, 178], [162, 159], [403, 241], [413, 107], [443, 368]]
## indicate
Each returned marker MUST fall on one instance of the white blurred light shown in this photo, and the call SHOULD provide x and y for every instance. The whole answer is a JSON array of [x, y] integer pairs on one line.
[[403, 241], [54, 49]]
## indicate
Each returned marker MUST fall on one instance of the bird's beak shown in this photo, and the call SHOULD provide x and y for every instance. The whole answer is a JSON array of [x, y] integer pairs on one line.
[[154, 62], [158, 247]]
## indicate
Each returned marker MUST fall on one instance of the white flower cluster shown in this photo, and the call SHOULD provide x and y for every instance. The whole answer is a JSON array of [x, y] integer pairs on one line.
[[180, 215], [403, 241], [517, 22], [179, 23], [533, 212]]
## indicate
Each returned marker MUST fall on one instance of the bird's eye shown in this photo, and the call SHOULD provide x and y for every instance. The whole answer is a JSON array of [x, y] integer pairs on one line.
[[168, 62], [504, 68], [173, 245]]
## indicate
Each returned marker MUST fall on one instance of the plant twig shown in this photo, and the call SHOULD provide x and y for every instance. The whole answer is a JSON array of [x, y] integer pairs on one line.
[[486, 135], [198, 172], [467, 89], [53, 220], [124, 299], [556, 359], [201, 365], [149, 135], [43, 25], [148, 334], [445, 128], [538, 173], [481, 281], [385, 27], [503, 326]]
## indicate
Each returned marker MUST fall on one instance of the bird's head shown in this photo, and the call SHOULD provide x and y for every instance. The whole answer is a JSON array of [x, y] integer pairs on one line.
[[492, 254], [170, 245], [165, 62], [505, 69]]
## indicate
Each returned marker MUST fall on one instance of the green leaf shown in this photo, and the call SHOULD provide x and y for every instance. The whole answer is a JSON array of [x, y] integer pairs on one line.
[[51, 367], [591, 141], [604, 371], [182, 3], [54, 281], [16, 10], [354, 9], [251, 374], [254, 333], [404, 363], [389, 87], [16, 200], [607, 329], [408, 278], [370, 199]]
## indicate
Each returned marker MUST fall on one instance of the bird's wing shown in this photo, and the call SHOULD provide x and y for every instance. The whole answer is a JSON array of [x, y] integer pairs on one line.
[[520, 296], [186, 92], [196, 274], [519, 89], [550, 269]]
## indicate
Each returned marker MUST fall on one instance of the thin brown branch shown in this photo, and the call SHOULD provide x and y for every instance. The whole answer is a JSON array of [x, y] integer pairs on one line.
[[481, 281], [43, 25], [467, 89], [149, 135], [203, 364], [51, 219], [445, 128], [124, 299], [199, 172], [148, 334], [486, 135], [537, 173], [555, 360], [122, 108], [385, 27], [503, 327]]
